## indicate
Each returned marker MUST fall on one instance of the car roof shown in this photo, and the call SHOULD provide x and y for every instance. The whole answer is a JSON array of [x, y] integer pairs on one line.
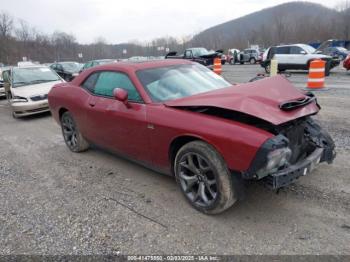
[[27, 67]]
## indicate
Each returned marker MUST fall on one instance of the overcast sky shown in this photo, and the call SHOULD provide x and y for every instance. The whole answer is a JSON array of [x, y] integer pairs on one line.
[[123, 20]]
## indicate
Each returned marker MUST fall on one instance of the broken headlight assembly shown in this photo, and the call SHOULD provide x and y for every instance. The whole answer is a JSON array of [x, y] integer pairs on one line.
[[272, 155], [274, 160]]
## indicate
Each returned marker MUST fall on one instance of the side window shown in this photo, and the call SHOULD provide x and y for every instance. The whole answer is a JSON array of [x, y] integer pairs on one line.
[[283, 50], [108, 81], [90, 82], [296, 50], [188, 54]]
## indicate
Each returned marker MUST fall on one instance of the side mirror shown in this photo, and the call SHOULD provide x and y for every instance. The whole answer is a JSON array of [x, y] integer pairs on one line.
[[303, 52], [121, 95]]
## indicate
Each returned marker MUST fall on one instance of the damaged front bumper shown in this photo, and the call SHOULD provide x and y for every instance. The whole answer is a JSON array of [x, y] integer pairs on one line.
[[308, 144], [288, 175]]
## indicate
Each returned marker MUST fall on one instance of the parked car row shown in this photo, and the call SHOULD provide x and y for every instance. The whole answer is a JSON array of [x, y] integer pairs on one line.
[[296, 57], [290, 57]]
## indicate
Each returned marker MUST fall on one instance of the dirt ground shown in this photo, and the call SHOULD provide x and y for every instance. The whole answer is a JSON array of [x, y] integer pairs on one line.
[[53, 201]]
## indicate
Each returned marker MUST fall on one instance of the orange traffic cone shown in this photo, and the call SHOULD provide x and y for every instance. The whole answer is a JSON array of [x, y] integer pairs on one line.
[[316, 74], [217, 66]]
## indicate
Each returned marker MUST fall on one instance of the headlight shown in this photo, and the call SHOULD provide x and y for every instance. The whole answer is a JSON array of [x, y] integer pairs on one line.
[[19, 99], [271, 156], [274, 160], [278, 158]]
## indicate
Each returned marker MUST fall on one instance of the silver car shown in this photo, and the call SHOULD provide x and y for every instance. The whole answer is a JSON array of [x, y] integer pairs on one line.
[[27, 88]]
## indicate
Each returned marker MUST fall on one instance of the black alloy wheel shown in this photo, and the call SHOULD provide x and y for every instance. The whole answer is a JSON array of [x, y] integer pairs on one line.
[[72, 137], [197, 179], [204, 179]]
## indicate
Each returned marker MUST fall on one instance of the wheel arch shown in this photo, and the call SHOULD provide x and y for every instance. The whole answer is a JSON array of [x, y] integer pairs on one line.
[[61, 111], [179, 142]]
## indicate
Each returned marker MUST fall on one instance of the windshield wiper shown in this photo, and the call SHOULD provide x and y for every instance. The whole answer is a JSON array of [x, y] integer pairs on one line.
[[20, 83], [41, 81]]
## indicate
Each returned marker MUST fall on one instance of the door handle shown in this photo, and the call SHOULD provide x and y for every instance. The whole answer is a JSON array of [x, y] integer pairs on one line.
[[92, 103]]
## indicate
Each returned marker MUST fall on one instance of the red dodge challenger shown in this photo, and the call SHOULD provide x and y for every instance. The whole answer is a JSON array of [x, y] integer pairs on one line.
[[181, 119]]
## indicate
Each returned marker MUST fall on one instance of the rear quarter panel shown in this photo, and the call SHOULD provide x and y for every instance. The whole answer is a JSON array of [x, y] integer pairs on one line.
[[69, 97]]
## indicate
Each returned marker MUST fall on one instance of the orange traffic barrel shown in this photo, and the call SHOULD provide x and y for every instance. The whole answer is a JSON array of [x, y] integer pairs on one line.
[[316, 74], [217, 66]]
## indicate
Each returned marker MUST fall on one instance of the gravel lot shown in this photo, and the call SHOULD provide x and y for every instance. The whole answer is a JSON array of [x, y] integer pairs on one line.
[[57, 202]]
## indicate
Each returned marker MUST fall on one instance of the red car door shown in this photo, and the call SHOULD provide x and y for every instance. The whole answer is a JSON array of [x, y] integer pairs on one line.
[[111, 124]]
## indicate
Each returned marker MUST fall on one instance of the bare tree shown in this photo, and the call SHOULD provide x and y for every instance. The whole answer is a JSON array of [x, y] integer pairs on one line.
[[6, 25]]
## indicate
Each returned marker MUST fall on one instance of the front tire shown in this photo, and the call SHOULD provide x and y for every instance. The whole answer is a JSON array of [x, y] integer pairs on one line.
[[252, 61], [204, 178], [71, 134]]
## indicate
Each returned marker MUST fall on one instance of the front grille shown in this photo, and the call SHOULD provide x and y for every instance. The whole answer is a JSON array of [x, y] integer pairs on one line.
[[38, 98]]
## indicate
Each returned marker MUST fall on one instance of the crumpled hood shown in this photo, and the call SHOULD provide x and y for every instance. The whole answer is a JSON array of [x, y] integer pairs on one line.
[[32, 90], [260, 99]]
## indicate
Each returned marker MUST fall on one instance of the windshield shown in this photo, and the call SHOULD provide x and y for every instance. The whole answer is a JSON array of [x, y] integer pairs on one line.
[[169, 83], [199, 51], [309, 49], [71, 67], [33, 75]]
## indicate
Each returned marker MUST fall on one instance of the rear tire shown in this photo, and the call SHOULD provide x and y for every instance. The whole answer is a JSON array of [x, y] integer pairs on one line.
[[71, 134], [252, 61], [268, 68], [204, 178]]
